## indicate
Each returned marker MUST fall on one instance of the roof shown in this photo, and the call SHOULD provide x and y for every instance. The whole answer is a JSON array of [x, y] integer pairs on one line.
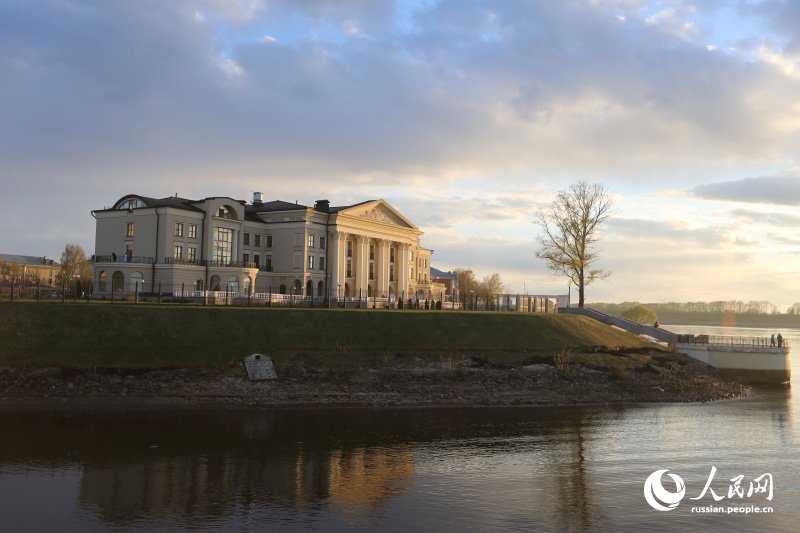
[[343, 207], [436, 273], [27, 260], [274, 205]]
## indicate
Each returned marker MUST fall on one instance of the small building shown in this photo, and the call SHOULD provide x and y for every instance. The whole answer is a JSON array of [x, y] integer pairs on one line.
[[222, 244], [29, 269], [448, 281]]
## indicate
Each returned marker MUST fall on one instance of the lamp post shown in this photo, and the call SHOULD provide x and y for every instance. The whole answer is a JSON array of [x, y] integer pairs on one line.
[[474, 307]]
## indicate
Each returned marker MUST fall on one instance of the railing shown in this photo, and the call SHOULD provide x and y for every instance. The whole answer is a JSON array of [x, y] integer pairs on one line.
[[733, 341], [231, 264], [122, 259], [265, 268], [176, 261]]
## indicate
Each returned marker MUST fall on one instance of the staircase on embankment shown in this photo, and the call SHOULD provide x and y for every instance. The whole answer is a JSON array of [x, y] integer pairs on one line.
[[623, 323], [754, 359]]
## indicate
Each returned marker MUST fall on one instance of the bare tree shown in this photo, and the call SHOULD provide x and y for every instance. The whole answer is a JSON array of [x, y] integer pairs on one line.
[[571, 228]]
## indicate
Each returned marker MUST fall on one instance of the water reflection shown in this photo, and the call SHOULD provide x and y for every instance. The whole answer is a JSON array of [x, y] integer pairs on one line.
[[573, 468]]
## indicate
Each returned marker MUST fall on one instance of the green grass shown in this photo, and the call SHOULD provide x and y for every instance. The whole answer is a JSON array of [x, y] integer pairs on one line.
[[123, 335]]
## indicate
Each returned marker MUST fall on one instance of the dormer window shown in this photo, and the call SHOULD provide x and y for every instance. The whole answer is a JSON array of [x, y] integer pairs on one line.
[[131, 204], [224, 212]]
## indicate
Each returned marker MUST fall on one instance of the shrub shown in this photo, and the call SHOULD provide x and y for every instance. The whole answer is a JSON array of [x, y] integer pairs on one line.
[[562, 359], [640, 314]]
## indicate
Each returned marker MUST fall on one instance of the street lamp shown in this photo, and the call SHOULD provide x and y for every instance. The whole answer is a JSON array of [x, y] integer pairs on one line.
[[474, 307]]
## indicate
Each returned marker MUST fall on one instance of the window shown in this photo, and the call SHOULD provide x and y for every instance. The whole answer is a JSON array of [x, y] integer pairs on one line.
[[372, 251], [410, 256], [247, 239], [372, 271], [269, 241], [222, 245], [310, 241], [192, 231], [257, 260], [178, 253], [179, 229], [130, 229], [310, 262], [268, 262], [258, 240], [246, 258], [349, 269], [129, 251], [349, 249], [391, 255], [391, 272], [322, 263], [131, 204], [322, 242], [192, 254], [224, 212]]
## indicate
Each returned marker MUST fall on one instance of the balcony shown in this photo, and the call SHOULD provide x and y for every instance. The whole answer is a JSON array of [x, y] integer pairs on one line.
[[232, 264], [265, 268], [123, 259], [176, 261]]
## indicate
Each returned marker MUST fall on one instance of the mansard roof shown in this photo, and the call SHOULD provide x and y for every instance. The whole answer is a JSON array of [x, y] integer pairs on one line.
[[28, 260]]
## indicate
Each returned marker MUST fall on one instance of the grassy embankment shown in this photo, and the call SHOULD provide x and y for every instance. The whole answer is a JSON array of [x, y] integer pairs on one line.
[[122, 336]]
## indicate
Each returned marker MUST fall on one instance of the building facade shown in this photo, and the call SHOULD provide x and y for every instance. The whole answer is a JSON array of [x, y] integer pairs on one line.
[[225, 245], [29, 269]]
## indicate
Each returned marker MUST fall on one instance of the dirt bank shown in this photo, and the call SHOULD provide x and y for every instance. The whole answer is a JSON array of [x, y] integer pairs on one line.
[[473, 381]]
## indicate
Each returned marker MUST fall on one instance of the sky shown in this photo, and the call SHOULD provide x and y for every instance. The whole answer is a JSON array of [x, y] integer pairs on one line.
[[467, 116]]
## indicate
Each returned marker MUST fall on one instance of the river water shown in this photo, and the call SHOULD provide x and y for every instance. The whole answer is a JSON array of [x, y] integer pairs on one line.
[[567, 468]]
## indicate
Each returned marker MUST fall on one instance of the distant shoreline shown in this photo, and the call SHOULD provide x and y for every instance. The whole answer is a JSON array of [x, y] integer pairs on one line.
[[729, 320]]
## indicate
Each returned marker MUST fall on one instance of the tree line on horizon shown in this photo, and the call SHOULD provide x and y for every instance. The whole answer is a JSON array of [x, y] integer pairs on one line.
[[739, 307]]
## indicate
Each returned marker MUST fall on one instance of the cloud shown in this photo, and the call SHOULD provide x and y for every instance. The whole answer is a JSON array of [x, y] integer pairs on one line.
[[780, 220], [782, 190]]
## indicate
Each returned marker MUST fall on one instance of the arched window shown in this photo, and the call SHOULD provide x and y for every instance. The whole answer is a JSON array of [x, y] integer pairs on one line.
[[321, 288], [233, 284], [214, 284], [226, 212], [310, 288], [101, 281], [117, 281], [133, 203], [297, 286], [283, 288], [248, 284], [137, 282]]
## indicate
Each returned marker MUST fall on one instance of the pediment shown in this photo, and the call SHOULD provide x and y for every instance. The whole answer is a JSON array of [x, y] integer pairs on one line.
[[381, 212]]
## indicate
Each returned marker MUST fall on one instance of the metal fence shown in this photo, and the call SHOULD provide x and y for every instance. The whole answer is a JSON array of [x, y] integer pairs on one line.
[[235, 295], [733, 341]]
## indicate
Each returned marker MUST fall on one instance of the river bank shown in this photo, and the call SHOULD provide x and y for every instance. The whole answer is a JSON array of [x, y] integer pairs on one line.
[[474, 381]]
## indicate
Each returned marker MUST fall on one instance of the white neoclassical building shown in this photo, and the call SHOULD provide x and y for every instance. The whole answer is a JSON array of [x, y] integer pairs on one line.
[[221, 244]]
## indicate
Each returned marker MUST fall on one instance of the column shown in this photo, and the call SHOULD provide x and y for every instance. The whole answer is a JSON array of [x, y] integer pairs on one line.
[[383, 272], [335, 239], [402, 267], [358, 262], [364, 260]]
